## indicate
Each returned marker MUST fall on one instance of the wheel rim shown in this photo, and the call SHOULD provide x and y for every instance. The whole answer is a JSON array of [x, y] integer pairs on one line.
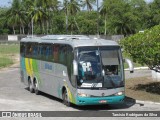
[[36, 86], [30, 85], [66, 98]]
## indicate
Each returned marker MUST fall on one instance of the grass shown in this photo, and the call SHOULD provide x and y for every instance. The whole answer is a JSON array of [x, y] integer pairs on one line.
[[143, 88], [7, 54], [4, 62], [9, 49]]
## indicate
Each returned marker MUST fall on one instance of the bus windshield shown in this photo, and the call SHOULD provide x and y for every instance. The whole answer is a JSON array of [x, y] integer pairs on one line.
[[100, 67]]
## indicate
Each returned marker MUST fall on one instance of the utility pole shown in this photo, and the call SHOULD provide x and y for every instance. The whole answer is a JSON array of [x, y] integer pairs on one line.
[[66, 16], [98, 18], [32, 26]]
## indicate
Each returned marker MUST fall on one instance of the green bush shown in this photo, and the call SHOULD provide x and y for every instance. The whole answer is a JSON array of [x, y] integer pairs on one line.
[[144, 48]]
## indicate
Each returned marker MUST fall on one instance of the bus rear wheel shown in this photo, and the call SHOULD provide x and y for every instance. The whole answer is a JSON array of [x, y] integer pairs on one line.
[[65, 98], [30, 86], [36, 90]]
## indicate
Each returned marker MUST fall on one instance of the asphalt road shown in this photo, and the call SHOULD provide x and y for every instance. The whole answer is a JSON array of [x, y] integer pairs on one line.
[[14, 96]]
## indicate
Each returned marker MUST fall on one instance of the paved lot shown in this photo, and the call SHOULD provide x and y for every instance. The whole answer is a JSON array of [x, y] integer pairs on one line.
[[138, 73], [15, 96]]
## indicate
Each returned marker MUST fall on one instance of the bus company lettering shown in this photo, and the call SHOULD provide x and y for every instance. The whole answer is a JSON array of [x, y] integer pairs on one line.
[[48, 66]]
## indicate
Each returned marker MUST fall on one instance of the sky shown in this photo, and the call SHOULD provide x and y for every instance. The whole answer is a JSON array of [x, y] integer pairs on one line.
[[4, 3]]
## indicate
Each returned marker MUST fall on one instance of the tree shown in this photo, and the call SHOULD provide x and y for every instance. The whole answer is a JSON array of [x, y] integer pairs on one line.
[[15, 15], [88, 3], [3, 24], [144, 47], [49, 7], [87, 22], [155, 12], [103, 11], [118, 17], [140, 9], [73, 8]]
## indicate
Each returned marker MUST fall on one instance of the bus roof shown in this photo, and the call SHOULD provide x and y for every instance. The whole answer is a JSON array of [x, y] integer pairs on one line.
[[73, 40]]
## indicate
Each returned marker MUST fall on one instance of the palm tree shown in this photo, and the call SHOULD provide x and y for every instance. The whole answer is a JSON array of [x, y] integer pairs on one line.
[[65, 9], [15, 16], [3, 17], [41, 12], [50, 7], [36, 13], [73, 8], [103, 11], [88, 3], [118, 17]]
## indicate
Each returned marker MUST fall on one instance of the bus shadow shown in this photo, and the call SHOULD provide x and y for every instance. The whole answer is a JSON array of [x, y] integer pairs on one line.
[[152, 87], [128, 102], [47, 96]]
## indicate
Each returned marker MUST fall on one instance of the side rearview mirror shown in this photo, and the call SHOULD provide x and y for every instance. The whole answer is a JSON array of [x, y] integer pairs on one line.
[[75, 67], [130, 64]]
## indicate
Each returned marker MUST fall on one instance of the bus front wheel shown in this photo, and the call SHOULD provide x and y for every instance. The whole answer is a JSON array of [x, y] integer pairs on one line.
[[30, 86], [65, 98]]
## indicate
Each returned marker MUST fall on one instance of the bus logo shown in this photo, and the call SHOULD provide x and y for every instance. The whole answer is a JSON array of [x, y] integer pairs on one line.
[[48, 66], [103, 94]]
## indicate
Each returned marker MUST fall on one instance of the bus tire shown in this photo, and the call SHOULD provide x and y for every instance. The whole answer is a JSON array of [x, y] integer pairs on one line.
[[65, 98], [36, 90], [30, 86]]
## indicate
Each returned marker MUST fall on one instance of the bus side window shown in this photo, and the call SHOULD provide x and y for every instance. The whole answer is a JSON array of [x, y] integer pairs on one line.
[[29, 50], [47, 52], [52, 52], [22, 49], [62, 54], [43, 52], [69, 63], [35, 51], [56, 53], [40, 52]]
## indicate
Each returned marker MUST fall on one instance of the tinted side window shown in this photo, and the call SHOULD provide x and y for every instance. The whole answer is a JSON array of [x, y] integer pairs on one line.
[[29, 50], [49, 52], [70, 57], [22, 49], [63, 54], [56, 53], [35, 51], [46, 52]]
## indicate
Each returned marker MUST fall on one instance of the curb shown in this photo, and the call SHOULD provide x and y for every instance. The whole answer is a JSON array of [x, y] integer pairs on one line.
[[128, 99], [138, 68], [147, 102]]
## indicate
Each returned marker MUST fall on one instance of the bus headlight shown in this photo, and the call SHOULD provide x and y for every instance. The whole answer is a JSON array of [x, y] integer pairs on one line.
[[83, 95], [120, 93]]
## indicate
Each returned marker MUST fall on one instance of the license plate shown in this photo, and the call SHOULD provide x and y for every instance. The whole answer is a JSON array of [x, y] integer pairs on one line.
[[102, 101]]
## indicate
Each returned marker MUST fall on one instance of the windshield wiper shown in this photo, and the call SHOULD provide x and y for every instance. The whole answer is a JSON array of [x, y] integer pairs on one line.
[[111, 80]]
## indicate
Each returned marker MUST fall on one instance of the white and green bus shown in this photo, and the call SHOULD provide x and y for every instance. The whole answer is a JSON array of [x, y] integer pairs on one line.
[[74, 68]]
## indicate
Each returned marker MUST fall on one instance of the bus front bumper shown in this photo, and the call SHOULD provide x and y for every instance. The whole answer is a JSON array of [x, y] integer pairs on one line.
[[99, 100]]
